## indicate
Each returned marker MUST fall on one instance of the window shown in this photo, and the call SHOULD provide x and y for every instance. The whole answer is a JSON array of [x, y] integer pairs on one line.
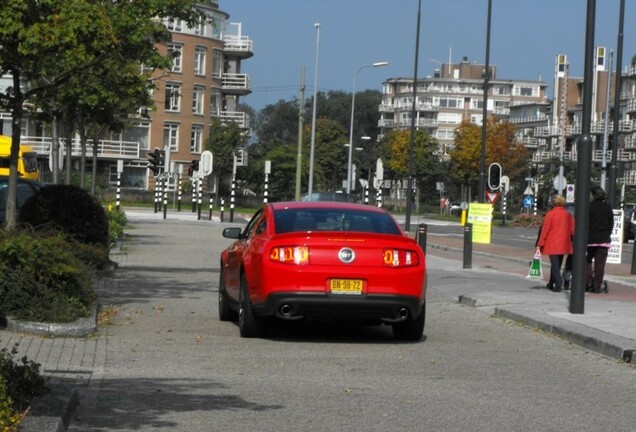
[[477, 103], [445, 134], [176, 51], [173, 97], [171, 136], [215, 102], [175, 25], [199, 60], [197, 99], [199, 28], [217, 64], [526, 90], [476, 119], [448, 103], [449, 118], [196, 138], [501, 90]]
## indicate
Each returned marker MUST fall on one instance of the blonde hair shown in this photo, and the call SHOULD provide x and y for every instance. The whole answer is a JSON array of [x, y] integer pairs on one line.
[[559, 200]]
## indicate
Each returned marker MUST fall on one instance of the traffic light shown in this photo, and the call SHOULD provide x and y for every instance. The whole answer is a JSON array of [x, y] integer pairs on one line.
[[156, 161], [494, 176], [194, 167]]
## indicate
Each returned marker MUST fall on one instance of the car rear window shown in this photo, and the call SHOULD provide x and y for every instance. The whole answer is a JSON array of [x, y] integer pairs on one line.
[[298, 220]]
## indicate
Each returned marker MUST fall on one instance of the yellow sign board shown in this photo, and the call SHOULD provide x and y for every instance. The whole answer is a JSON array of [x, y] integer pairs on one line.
[[480, 215]]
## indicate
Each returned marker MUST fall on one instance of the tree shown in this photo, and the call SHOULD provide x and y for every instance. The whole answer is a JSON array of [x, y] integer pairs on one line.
[[394, 151], [44, 44], [501, 147], [224, 142], [330, 154]]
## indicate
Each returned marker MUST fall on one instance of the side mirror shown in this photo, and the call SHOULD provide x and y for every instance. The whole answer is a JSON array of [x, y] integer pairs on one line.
[[232, 232]]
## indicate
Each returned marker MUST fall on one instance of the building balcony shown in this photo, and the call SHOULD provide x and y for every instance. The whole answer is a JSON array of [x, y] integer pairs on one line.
[[530, 142], [106, 149], [629, 178], [426, 123], [529, 119], [501, 111], [386, 123], [239, 46], [630, 142], [631, 106], [239, 84], [627, 95], [547, 131], [632, 70], [624, 126], [242, 119]]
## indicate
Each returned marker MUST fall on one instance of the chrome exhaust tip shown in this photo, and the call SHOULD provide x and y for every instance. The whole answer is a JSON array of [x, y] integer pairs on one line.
[[403, 313], [286, 311]]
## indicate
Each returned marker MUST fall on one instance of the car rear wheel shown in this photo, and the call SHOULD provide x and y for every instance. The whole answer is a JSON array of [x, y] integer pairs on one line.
[[225, 312], [410, 329], [250, 325]]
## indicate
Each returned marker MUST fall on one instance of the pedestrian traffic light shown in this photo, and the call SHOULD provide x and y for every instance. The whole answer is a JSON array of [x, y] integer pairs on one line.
[[194, 167], [156, 161], [494, 176]]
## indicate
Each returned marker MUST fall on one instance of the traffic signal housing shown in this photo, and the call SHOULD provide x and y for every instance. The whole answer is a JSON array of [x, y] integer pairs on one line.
[[494, 176], [156, 161], [194, 167]]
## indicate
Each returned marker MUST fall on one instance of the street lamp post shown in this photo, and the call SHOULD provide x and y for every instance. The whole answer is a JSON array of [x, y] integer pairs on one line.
[[313, 119], [353, 104]]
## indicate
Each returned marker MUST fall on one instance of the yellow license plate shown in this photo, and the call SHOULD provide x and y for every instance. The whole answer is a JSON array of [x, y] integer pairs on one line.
[[346, 286]]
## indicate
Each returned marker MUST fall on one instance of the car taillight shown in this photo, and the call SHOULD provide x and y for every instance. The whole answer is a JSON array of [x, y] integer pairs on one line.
[[400, 258], [290, 254]]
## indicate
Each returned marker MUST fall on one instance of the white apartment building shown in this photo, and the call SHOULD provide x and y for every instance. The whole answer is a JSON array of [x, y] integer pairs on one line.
[[453, 94]]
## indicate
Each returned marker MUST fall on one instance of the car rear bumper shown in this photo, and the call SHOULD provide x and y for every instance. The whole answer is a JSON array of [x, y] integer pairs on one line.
[[335, 307]]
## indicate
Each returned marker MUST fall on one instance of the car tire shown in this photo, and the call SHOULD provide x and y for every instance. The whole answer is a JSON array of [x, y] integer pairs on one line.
[[410, 329], [250, 325], [225, 311]]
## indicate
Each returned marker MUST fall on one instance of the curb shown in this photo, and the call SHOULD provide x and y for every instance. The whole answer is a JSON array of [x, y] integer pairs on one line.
[[78, 328], [52, 412], [616, 347]]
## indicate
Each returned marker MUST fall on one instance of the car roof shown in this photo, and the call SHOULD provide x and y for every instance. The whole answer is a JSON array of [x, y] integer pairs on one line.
[[324, 205]]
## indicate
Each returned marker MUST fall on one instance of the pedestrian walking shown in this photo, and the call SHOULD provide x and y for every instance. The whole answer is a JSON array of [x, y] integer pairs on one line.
[[555, 239], [599, 238]]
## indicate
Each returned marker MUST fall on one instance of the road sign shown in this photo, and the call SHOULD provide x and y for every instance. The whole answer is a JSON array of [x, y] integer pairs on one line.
[[528, 191], [492, 197], [559, 182], [205, 166], [528, 201]]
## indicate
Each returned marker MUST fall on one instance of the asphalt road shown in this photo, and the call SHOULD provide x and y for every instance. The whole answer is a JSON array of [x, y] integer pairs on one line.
[[165, 362]]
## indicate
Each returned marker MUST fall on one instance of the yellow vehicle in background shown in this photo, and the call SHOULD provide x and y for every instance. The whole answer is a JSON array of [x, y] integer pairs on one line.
[[27, 160]]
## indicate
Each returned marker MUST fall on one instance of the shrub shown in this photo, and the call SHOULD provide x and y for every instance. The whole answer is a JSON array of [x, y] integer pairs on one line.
[[21, 381], [116, 223], [528, 221], [43, 279], [67, 208], [9, 417]]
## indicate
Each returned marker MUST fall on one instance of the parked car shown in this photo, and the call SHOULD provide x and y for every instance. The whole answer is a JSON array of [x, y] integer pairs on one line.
[[455, 208], [26, 189], [323, 260]]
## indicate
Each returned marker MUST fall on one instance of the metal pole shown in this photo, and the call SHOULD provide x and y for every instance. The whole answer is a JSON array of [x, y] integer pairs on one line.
[[584, 171], [421, 236], [606, 123], [313, 119], [468, 246], [299, 155], [409, 183], [484, 121], [613, 170]]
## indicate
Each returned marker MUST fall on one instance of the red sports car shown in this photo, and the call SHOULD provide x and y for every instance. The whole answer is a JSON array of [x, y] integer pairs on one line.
[[323, 261]]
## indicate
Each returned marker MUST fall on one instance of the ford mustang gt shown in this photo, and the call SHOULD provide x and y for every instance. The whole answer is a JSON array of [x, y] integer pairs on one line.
[[324, 261]]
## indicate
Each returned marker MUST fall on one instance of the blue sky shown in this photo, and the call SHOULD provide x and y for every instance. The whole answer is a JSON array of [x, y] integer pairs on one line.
[[526, 35]]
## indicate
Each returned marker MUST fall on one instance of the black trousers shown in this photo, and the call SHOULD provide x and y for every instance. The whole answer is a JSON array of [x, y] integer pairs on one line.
[[596, 259], [556, 280]]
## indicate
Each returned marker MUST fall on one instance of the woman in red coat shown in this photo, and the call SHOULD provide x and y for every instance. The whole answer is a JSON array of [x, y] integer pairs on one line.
[[555, 239]]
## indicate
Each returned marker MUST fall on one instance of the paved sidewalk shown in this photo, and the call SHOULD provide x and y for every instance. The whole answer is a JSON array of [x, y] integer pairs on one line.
[[607, 326]]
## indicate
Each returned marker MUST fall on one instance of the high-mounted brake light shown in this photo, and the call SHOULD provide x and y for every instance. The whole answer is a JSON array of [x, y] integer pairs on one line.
[[290, 254], [400, 258]]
